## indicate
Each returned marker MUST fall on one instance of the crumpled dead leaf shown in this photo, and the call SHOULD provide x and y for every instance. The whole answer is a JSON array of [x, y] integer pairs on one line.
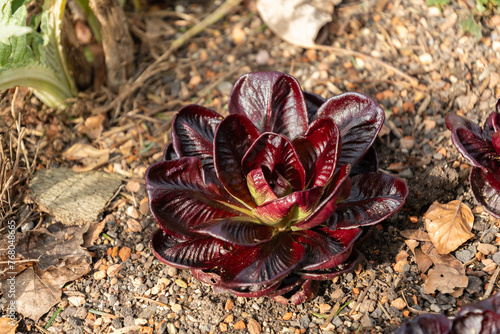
[[449, 225], [60, 259], [296, 21], [6, 326], [92, 127], [88, 156], [444, 279], [442, 259], [415, 234]]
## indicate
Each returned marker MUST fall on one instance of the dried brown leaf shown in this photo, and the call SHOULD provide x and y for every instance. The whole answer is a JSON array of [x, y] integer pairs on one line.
[[412, 244], [439, 259], [61, 259], [93, 126], [8, 326], [88, 156], [415, 234], [444, 279], [449, 225], [424, 262]]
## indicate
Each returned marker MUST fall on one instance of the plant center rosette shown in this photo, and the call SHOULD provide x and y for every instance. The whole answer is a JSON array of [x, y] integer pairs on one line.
[[481, 146], [272, 197]]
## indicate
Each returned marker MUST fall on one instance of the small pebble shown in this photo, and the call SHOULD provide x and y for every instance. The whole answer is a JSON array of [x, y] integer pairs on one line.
[[262, 57], [176, 308], [463, 255], [139, 247], [487, 248]]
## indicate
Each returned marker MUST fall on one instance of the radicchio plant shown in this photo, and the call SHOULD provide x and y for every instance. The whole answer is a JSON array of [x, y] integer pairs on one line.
[[482, 318], [481, 146], [272, 197]]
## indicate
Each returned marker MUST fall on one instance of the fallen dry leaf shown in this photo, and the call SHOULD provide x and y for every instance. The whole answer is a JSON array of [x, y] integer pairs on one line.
[[444, 279], [415, 234], [424, 262], [61, 259], [73, 198], [7, 326], [296, 21], [412, 244], [93, 233], [449, 225], [88, 156], [92, 127], [442, 259]]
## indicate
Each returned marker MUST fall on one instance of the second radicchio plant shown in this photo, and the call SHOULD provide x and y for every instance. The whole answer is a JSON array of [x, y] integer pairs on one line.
[[274, 196], [481, 146], [482, 317]]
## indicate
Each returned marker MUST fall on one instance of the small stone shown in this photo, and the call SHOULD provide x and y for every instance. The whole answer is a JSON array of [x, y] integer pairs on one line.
[[76, 301], [144, 206], [438, 156], [133, 186], [229, 305], [487, 248], [475, 285], [171, 328], [435, 308], [140, 321], [253, 326], [101, 274], [496, 257], [139, 247], [225, 87], [134, 226], [287, 316], [262, 57], [239, 325], [463, 255], [132, 212], [223, 327], [229, 319], [398, 303], [181, 283], [323, 308], [367, 321], [406, 143], [426, 59], [124, 253], [114, 269], [304, 321], [171, 271], [176, 308]]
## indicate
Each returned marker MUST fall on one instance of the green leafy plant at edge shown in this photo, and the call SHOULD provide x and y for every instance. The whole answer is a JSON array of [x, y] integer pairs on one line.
[[32, 55]]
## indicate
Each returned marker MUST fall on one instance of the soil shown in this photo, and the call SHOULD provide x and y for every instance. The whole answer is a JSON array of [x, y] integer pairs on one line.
[[447, 70]]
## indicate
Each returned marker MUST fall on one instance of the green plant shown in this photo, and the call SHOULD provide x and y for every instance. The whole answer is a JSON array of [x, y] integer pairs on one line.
[[437, 3], [31, 55], [470, 25]]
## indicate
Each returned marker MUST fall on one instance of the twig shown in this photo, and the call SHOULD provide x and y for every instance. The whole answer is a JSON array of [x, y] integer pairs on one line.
[[154, 302], [363, 294], [384, 310], [161, 64], [414, 310], [492, 282], [346, 52]]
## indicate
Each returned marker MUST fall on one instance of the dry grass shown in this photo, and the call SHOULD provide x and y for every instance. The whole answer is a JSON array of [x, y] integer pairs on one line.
[[15, 166]]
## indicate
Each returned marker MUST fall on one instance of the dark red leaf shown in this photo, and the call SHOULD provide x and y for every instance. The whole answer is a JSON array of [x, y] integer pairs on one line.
[[367, 164], [303, 291], [275, 153], [326, 248], [169, 153], [331, 273], [472, 142], [260, 190], [318, 150], [263, 263], [289, 209], [273, 101], [313, 102], [359, 120], [180, 198], [233, 138], [485, 322], [253, 291], [339, 189], [238, 230], [193, 129], [373, 198], [201, 253], [486, 189], [426, 324]]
